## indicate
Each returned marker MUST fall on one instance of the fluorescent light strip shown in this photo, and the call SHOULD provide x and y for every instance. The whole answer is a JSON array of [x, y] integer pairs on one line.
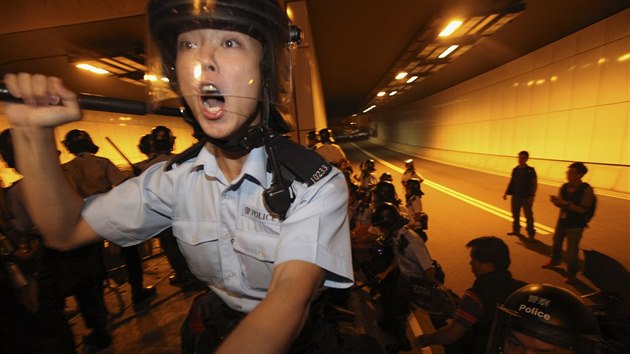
[[369, 108], [448, 51], [92, 69], [450, 28]]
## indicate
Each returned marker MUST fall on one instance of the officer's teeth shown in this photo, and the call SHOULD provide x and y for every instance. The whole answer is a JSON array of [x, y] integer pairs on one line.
[[209, 89]]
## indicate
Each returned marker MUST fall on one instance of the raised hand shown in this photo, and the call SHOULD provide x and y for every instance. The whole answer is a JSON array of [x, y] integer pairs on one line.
[[47, 103]]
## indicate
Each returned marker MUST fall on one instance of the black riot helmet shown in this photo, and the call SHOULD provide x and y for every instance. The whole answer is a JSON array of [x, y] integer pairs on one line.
[[548, 313], [387, 217], [368, 166], [385, 192], [325, 135], [386, 177], [263, 20], [162, 139], [78, 141], [144, 145]]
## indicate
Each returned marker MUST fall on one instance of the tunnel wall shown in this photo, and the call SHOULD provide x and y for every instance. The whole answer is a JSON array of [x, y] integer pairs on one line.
[[568, 101]]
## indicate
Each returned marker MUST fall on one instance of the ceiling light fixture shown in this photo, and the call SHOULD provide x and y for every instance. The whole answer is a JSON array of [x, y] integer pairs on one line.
[[448, 51], [401, 75], [92, 68], [369, 108], [437, 45], [127, 67], [450, 28], [381, 94], [393, 93]]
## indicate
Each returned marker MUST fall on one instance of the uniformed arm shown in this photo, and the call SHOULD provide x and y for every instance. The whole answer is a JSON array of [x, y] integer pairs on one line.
[[277, 321], [54, 206], [393, 265], [467, 314]]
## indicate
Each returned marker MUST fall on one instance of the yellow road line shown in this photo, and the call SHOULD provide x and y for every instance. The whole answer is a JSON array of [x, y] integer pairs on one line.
[[503, 214]]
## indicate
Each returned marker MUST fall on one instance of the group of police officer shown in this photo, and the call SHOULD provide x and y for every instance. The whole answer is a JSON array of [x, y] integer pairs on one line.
[[536, 318]]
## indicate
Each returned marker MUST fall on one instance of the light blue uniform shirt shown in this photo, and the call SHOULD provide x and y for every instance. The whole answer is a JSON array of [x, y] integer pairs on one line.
[[229, 239]]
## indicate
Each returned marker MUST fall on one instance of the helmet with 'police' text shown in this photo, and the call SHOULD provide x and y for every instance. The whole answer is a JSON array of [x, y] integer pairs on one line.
[[547, 313]]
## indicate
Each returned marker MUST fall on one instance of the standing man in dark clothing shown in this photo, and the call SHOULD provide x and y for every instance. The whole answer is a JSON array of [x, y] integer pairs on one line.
[[469, 330], [522, 188], [94, 175], [574, 200]]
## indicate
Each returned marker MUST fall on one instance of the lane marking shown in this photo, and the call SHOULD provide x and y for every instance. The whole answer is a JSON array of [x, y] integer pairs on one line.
[[503, 214]]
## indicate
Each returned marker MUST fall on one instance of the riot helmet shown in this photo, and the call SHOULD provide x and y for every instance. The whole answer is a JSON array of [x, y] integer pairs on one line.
[[144, 145], [162, 139], [325, 136], [262, 20], [546, 313], [385, 192], [78, 141], [311, 136], [386, 177], [387, 217], [368, 166]]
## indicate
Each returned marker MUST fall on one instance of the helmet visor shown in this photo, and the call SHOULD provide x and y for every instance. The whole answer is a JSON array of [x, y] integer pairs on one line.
[[219, 52]]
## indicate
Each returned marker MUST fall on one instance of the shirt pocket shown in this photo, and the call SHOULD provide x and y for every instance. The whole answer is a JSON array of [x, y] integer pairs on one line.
[[256, 253], [195, 233]]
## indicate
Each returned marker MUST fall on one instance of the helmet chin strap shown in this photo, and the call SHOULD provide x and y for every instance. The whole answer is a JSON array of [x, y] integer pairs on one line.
[[244, 140]]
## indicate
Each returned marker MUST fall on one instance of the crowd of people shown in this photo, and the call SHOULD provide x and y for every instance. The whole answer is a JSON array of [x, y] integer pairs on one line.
[[264, 223], [55, 275], [390, 249]]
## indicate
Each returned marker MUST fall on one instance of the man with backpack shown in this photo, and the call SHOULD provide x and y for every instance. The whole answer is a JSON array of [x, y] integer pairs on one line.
[[576, 201]]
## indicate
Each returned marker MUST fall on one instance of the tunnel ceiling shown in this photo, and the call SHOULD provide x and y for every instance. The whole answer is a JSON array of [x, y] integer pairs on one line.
[[357, 42]]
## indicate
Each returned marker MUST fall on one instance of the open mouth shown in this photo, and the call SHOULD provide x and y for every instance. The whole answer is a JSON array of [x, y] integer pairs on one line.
[[212, 98]]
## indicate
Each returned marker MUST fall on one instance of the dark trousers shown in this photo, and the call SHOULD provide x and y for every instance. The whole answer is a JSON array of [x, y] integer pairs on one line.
[[573, 237], [85, 274], [133, 264], [210, 320], [526, 204], [45, 331]]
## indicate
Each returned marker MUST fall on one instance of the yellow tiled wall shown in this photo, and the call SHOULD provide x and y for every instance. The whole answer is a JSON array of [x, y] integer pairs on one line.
[[568, 101]]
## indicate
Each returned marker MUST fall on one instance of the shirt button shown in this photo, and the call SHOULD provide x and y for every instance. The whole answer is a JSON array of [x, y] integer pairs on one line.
[[230, 275], [261, 253], [194, 238]]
